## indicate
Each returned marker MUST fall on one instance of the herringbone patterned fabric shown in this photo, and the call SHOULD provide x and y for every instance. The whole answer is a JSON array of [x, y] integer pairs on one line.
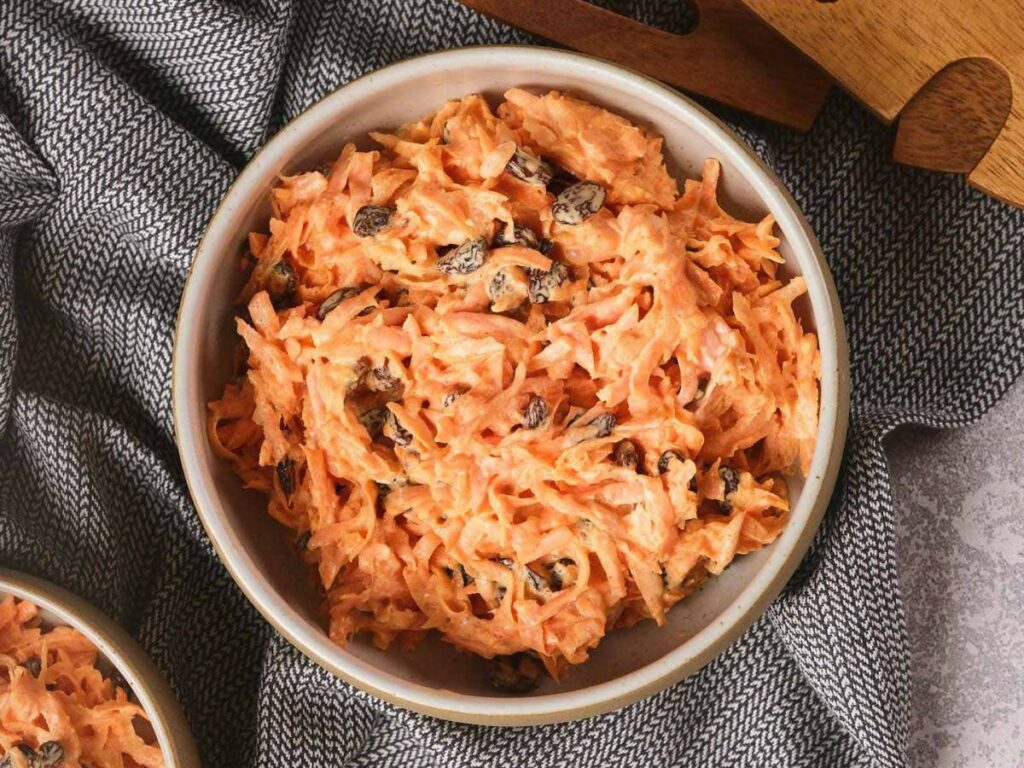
[[121, 126]]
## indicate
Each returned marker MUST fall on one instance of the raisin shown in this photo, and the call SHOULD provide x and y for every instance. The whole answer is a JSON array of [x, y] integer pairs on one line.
[[498, 286], [666, 460], [373, 421], [730, 483], [543, 284], [730, 478], [527, 167], [517, 673], [465, 259], [578, 203], [536, 412], [380, 379], [522, 236], [371, 219], [332, 301], [50, 754], [626, 454], [603, 424], [281, 284], [285, 472]]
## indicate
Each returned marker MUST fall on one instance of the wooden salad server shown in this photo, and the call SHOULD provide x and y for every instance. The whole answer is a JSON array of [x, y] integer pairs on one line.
[[952, 71], [730, 56]]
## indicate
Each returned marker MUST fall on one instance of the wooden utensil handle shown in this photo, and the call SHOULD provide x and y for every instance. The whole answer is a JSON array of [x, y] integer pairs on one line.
[[730, 56], [956, 68]]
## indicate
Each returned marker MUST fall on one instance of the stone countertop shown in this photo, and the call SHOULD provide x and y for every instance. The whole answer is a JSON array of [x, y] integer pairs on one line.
[[959, 499]]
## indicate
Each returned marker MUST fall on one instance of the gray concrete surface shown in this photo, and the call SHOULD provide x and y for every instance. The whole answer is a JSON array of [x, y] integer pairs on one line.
[[960, 519]]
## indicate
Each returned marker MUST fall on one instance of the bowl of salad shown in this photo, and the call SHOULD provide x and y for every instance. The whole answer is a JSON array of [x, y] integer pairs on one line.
[[509, 384]]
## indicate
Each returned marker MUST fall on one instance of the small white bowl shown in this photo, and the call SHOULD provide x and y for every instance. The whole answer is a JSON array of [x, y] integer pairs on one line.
[[117, 651], [434, 679]]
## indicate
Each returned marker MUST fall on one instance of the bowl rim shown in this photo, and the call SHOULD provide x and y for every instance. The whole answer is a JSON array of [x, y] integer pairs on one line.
[[753, 599], [143, 677]]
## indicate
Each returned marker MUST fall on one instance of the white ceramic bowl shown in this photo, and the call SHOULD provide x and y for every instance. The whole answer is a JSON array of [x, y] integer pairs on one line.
[[117, 651], [434, 679]]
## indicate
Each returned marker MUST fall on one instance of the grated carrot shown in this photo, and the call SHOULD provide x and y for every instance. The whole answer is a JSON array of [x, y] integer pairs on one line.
[[446, 420], [53, 698]]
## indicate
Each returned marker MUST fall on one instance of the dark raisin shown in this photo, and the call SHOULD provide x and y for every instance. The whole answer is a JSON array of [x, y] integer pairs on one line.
[[626, 454], [603, 424], [666, 460], [371, 219], [27, 752], [578, 203], [730, 483], [281, 283], [518, 673], [536, 412], [373, 421], [497, 286], [522, 236], [394, 431], [528, 167], [285, 471], [33, 665], [545, 246], [332, 301], [380, 379], [50, 754], [467, 258], [543, 284]]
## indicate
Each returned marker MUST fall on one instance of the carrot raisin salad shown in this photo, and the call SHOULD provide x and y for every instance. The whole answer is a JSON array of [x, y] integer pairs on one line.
[[504, 381], [57, 710]]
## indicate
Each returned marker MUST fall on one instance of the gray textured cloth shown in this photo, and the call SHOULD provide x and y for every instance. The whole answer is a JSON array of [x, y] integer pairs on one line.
[[121, 126]]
